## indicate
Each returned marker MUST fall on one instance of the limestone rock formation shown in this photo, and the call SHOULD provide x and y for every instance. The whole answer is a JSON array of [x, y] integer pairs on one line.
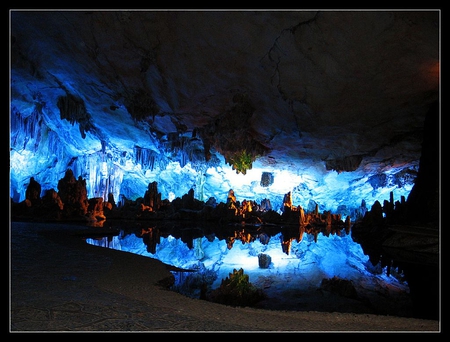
[[347, 88]]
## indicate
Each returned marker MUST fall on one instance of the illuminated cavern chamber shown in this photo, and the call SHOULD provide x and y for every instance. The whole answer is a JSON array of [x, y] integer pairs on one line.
[[177, 163], [74, 194], [121, 153]]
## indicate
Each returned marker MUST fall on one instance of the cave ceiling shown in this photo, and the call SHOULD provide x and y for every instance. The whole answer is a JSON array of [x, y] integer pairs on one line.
[[349, 89]]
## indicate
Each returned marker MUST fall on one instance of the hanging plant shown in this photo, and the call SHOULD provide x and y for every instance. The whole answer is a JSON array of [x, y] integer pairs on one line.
[[241, 161]]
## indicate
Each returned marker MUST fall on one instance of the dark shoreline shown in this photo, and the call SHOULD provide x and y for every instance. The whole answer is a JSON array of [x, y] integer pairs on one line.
[[60, 283]]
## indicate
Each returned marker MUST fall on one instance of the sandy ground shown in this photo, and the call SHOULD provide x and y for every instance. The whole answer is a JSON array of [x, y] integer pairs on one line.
[[59, 283]]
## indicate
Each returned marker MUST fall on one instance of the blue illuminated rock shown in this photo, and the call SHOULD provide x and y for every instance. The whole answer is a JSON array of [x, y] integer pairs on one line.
[[322, 101]]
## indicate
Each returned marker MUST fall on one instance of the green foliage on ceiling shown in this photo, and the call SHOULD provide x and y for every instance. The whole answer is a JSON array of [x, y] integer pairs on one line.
[[241, 161]]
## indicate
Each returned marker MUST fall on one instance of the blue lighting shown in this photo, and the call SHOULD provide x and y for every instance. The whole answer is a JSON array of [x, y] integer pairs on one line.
[[123, 160], [304, 267]]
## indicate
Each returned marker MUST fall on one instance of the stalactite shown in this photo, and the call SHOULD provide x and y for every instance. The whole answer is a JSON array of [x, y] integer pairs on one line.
[[26, 129], [147, 158], [184, 158], [201, 179], [198, 250]]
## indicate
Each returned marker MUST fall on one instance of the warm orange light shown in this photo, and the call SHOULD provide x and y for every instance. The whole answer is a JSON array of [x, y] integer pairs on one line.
[[435, 69], [431, 73]]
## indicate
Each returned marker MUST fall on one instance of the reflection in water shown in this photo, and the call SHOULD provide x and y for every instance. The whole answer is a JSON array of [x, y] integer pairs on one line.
[[300, 257]]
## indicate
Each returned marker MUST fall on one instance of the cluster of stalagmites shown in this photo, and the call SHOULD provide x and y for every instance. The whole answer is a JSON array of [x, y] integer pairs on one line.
[[372, 229], [71, 203]]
